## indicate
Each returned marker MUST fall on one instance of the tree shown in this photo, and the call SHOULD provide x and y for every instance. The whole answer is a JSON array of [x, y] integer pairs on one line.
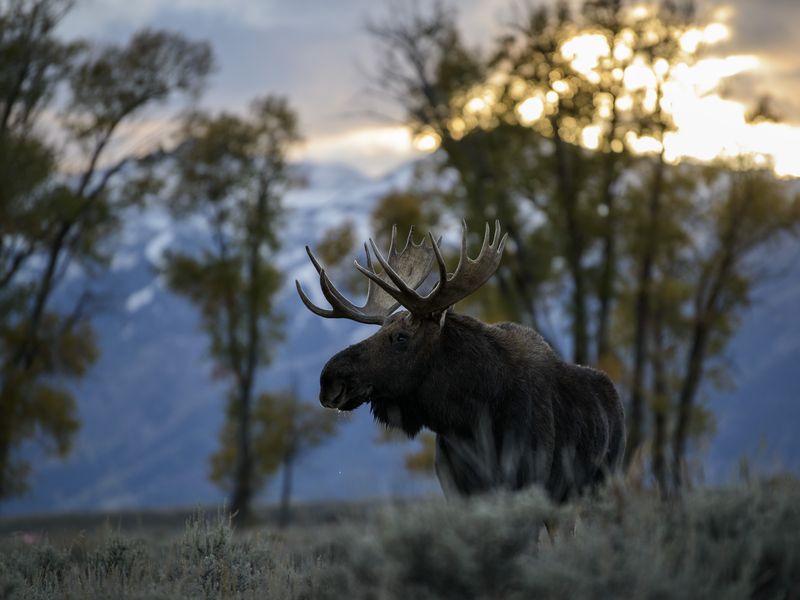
[[52, 220], [750, 212], [284, 431], [232, 172]]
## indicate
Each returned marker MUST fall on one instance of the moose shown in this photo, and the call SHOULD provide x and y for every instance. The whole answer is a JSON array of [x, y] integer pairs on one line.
[[507, 411]]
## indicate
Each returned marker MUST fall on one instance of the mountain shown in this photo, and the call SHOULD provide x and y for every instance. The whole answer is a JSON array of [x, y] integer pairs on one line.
[[151, 412]]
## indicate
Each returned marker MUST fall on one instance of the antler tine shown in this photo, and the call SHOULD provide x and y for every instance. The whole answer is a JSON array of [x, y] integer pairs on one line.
[[470, 275], [409, 239], [502, 245], [334, 296], [392, 242], [414, 262], [375, 278], [462, 255], [341, 307], [484, 244], [314, 260], [387, 268], [369, 258], [329, 314], [440, 259], [496, 233]]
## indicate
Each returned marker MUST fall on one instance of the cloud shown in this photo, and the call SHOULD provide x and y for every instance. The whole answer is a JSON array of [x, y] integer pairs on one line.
[[95, 16], [373, 150]]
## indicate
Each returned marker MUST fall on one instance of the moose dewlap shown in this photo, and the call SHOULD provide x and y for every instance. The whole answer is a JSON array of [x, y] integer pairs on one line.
[[506, 410]]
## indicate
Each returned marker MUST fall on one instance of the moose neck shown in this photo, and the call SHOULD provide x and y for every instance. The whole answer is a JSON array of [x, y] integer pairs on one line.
[[465, 377]]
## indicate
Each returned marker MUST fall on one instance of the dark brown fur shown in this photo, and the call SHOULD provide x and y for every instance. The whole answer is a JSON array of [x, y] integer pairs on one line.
[[507, 411]]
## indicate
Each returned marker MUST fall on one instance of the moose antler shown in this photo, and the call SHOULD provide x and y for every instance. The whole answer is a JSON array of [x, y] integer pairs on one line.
[[414, 262], [470, 274]]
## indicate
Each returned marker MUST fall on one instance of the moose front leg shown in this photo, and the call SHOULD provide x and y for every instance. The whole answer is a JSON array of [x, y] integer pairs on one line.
[[465, 468]]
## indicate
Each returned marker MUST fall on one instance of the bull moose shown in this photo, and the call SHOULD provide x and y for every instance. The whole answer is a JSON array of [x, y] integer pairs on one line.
[[506, 410]]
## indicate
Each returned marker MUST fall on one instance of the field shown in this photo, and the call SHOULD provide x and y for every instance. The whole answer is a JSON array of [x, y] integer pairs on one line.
[[736, 542]]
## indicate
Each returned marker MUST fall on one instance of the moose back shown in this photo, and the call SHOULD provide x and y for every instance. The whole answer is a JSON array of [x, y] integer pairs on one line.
[[506, 410]]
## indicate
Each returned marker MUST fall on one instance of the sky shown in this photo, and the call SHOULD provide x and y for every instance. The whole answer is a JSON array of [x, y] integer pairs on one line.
[[318, 54]]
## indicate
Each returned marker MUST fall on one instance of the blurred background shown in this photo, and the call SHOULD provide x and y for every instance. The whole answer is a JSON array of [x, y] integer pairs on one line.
[[163, 164]]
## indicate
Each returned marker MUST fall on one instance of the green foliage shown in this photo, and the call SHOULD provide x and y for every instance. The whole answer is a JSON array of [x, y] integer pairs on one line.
[[403, 210], [739, 542], [337, 244], [421, 461], [115, 82], [219, 287]]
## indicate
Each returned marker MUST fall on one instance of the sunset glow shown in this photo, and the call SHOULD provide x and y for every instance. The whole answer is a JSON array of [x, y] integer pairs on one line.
[[708, 126]]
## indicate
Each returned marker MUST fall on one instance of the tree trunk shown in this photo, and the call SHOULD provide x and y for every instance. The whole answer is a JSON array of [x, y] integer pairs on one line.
[[523, 278], [608, 275], [608, 271], [642, 313], [694, 371], [574, 250], [660, 407], [243, 478], [286, 490], [4, 467]]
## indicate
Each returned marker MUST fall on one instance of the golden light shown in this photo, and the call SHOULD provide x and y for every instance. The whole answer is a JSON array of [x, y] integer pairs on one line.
[[623, 52], [640, 11], [690, 40], [642, 145], [707, 126], [585, 51], [624, 103], [650, 99], [457, 127], [475, 105], [639, 76], [661, 67], [590, 136], [716, 33], [427, 141], [530, 110], [722, 14], [560, 87], [706, 75], [518, 89]]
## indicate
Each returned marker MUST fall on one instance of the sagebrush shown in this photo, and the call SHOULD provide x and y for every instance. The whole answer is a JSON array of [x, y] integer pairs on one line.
[[737, 542]]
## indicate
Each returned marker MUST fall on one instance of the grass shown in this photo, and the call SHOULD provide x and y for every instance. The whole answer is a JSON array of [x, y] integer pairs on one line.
[[739, 542]]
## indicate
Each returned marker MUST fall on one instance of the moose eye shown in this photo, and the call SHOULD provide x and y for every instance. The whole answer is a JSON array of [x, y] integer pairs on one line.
[[400, 338]]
